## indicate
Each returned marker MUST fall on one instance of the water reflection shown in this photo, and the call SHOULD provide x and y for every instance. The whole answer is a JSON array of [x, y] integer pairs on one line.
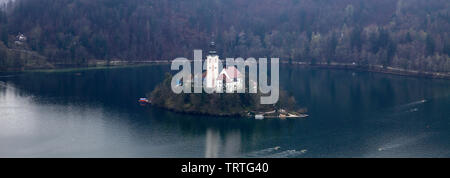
[[31, 127], [94, 113], [230, 143], [17, 115], [212, 144]]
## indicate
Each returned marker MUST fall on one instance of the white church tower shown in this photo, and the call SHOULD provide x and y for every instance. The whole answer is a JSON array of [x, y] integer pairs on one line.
[[212, 67]]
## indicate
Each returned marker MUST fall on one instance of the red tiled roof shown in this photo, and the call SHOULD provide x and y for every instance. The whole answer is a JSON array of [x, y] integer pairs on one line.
[[232, 72]]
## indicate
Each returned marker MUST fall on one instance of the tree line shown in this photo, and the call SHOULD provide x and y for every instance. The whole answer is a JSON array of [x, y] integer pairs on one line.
[[407, 34]]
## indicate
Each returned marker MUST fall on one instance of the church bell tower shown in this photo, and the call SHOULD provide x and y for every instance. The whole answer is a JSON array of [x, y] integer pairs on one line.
[[212, 66]]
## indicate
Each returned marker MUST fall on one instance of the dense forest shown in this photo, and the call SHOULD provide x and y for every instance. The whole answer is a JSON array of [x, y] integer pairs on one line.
[[407, 34]]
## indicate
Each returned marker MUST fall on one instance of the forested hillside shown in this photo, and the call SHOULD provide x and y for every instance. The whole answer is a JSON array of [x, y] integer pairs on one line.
[[408, 34]]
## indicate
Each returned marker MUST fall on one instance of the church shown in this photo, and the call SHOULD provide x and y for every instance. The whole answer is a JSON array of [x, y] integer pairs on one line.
[[228, 78]]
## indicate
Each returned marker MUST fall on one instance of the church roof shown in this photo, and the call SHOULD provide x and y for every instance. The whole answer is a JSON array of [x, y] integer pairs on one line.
[[230, 74]]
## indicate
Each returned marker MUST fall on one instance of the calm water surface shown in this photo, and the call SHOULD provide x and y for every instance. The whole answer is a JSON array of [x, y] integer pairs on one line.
[[94, 113]]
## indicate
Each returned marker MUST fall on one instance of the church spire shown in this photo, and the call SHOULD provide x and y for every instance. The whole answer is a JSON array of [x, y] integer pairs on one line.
[[212, 48]]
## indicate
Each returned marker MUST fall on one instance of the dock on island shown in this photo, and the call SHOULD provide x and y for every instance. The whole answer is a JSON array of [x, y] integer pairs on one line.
[[277, 114]]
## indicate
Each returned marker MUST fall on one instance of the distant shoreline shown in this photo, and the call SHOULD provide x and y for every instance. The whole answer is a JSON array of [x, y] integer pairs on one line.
[[375, 69], [333, 65], [370, 68]]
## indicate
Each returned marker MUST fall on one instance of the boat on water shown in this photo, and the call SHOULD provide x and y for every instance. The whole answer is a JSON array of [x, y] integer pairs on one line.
[[259, 117], [144, 101]]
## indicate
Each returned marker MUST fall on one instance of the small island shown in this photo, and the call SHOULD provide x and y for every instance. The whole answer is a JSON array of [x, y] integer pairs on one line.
[[229, 103], [223, 104]]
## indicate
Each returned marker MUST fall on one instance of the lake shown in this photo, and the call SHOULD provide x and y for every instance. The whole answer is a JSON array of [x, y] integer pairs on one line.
[[94, 113]]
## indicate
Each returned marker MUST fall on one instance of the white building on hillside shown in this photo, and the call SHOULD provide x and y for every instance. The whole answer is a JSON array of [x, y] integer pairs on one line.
[[20, 37]]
